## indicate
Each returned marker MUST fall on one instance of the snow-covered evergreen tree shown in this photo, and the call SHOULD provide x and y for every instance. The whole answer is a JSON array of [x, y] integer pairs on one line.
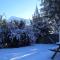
[[37, 21], [51, 13], [42, 26]]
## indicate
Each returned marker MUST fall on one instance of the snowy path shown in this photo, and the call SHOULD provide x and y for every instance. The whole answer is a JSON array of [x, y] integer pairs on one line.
[[35, 52]]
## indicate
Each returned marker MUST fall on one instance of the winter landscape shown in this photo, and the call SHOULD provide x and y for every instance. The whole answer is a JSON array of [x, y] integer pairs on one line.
[[34, 52], [30, 30]]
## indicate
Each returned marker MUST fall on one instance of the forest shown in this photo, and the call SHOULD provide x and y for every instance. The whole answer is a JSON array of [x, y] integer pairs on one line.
[[43, 27]]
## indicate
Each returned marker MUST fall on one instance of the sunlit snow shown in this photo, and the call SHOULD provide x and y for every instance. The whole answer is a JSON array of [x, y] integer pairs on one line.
[[34, 52]]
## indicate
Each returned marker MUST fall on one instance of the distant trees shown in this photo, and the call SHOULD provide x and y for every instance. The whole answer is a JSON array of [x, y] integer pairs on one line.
[[25, 39], [44, 23], [19, 24], [22, 24], [14, 34]]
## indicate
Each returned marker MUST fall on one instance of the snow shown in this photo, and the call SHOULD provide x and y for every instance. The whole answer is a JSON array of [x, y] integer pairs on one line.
[[19, 19], [34, 52], [18, 32]]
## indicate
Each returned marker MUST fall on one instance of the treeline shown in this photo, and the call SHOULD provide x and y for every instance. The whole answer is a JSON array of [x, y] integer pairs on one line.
[[46, 21], [43, 28], [15, 33]]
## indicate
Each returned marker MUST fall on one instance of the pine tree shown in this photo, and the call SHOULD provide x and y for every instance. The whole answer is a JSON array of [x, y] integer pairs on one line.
[[38, 25], [37, 20], [43, 26], [22, 24], [51, 12]]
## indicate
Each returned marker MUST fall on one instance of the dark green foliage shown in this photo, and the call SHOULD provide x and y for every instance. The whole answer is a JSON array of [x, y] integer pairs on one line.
[[9, 41], [21, 24], [24, 40], [51, 12], [15, 42], [44, 36], [6, 40], [47, 39]]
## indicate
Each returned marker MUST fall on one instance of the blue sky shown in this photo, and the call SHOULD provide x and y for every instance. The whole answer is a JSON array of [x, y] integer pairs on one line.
[[18, 8]]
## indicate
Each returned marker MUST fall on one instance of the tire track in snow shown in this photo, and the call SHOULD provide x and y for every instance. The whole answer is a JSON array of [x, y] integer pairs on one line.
[[32, 51]]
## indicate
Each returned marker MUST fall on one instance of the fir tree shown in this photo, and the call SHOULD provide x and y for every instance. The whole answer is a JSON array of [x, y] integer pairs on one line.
[[51, 12]]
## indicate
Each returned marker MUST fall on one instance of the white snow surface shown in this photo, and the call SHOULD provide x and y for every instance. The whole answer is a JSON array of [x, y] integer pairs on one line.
[[33, 52]]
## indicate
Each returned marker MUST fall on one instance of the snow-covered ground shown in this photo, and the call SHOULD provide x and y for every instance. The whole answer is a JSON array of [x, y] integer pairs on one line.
[[34, 52]]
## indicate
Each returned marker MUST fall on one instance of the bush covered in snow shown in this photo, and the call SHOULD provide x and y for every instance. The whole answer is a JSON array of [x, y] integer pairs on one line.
[[15, 34]]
